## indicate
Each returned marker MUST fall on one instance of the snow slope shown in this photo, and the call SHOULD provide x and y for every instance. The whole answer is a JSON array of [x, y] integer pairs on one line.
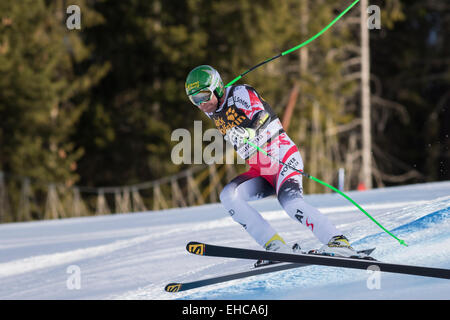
[[133, 256]]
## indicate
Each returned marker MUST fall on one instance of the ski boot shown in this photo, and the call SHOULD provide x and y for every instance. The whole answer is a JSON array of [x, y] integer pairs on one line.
[[339, 246], [276, 243]]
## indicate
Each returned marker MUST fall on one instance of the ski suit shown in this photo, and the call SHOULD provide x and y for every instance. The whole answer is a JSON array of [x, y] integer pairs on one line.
[[243, 106]]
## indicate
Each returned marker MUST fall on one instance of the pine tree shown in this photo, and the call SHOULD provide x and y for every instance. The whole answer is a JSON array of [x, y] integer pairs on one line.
[[41, 93], [127, 125], [412, 93]]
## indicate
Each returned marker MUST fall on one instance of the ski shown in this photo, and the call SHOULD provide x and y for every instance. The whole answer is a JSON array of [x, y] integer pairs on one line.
[[366, 252], [204, 249], [258, 270], [183, 286]]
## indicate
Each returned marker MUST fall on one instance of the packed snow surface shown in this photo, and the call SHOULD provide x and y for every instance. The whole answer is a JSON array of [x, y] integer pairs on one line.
[[134, 255]]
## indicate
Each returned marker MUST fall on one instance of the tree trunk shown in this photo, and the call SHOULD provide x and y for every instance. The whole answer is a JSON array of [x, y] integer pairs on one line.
[[365, 100]]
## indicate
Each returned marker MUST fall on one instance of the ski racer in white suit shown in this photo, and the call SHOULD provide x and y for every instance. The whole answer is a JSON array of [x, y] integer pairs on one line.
[[240, 113]]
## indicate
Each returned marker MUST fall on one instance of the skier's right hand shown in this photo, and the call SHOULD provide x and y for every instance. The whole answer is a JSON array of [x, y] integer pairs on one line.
[[238, 135]]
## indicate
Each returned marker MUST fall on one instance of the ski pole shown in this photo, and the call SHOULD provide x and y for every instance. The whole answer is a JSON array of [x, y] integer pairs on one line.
[[304, 43], [402, 242]]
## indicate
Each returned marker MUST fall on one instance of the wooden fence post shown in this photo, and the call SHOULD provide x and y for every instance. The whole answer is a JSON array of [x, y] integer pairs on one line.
[[122, 200], [158, 198], [138, 203], [53, 206], [194, 195], [79, 208], [4, 203], [177, 195], [215, 183], [102, 205], [24, 212]]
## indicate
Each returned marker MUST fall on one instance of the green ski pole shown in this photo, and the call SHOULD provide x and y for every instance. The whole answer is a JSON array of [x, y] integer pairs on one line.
[[304, 43], [402, 242]]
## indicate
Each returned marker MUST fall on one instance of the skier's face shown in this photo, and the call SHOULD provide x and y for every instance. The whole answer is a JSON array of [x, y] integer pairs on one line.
[[209, 106]]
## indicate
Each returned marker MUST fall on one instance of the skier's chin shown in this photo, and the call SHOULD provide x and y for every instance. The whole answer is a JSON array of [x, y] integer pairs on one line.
[[208, 108]]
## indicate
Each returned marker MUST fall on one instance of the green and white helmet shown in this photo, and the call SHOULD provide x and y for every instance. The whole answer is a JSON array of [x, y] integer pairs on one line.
[[201, 78]]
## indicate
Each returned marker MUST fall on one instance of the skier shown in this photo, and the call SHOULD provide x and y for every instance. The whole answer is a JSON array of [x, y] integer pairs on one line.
[[240, 113]]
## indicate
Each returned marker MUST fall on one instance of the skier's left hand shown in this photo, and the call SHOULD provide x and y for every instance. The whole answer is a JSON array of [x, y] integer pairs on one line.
[[237, 135]]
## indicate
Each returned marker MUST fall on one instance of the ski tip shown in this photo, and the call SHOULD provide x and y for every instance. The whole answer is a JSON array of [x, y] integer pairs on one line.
[[173, 287], [196, 248]]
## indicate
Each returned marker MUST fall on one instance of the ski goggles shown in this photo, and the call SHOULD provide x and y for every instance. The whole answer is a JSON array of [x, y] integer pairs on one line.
[[200, 97]]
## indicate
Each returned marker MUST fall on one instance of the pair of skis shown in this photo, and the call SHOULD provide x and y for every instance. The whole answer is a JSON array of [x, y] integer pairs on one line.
[[290, 261]]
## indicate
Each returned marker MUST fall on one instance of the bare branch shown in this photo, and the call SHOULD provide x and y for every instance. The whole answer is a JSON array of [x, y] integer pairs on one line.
[[399, 108]]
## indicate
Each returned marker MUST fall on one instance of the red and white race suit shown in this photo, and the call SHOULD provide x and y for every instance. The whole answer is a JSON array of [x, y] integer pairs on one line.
[[243, 106]]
